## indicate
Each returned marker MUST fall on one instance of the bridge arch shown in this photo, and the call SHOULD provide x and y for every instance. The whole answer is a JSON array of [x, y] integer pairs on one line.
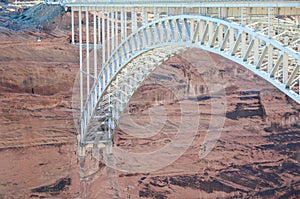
[[155, 42]]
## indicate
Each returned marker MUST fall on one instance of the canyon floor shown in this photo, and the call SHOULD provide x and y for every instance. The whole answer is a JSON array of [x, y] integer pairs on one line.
[[254, 154]]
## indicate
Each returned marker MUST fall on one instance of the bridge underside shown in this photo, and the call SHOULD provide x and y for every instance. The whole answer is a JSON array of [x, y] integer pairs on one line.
[[121, 89]]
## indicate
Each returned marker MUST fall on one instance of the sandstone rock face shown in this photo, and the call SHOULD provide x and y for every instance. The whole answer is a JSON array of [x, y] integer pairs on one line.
[[38, 157], [254, 153]]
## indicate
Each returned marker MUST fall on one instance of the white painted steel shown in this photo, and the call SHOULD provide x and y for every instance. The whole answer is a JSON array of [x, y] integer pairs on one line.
[[182, 3], [81, 70], [73, 25], [87, 40], [95, 44], [103, 36]]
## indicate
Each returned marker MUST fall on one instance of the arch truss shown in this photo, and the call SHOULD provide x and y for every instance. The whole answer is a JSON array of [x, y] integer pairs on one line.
[[140, 53]]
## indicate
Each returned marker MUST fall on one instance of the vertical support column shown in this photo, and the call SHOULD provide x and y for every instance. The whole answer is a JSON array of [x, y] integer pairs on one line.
[[155, 13], [211, 31], [112, 29], [99, 27], [226, 13], [117, 102], [231, 38], [223, 12], [103, 36], [87, 49], [117, 28], [192, 27], [95, 45], [206, 11], [144, 16], [108, 32], [243, 16], [270, 22], [125, 23], [243, 43], [201, 30], [133, 19], [243, 36], [270, 57], [81, 149], [80, 59], [285, 67], [122, 25], [256, 51], [110, 115], [73, 29], [221, 34], [270, 35], [250, 15]]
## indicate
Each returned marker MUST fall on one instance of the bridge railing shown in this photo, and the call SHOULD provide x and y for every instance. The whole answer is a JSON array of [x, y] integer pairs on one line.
[[168, 1]]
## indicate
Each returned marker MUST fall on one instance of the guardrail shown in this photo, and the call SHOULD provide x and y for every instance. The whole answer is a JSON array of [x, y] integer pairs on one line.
[[169, 1]]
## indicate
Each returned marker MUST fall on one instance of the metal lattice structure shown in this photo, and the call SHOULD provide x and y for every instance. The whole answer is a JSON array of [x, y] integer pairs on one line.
[[135, 38]]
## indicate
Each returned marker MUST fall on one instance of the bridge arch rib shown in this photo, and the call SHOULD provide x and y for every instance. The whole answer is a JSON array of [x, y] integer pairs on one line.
[[155, 42]]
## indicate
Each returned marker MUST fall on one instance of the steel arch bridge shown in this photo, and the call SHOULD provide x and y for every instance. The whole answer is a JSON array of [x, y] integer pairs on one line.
[[136, 37]]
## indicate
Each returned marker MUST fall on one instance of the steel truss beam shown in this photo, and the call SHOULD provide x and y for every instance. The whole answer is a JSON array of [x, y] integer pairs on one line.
[[140, 53]]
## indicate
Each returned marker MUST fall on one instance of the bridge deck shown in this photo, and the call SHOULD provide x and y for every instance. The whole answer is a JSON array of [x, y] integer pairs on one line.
[[180, 3]]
